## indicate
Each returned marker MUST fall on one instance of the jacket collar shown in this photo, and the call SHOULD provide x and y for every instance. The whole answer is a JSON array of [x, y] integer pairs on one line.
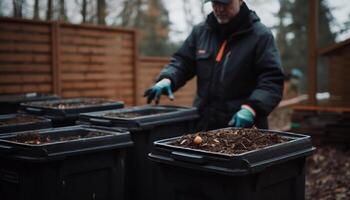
[[238, 26]]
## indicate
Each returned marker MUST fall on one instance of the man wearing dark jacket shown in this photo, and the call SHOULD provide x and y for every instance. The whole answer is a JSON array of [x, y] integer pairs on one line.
[[235, 58]]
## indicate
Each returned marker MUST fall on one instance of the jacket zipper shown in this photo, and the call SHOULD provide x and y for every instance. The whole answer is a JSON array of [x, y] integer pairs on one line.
[[224, 66]]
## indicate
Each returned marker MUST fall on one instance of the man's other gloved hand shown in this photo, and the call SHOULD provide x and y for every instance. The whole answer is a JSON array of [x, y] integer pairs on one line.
[[244, 118], [154, 93]]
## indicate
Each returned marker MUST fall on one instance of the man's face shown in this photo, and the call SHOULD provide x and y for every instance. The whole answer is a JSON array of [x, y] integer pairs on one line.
[[225, 12]]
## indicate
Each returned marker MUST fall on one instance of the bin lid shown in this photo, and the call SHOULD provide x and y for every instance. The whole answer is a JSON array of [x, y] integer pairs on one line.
[[71, 107], [297, 146], [25, 97], [22, 122], [141, 117], [57, 143]]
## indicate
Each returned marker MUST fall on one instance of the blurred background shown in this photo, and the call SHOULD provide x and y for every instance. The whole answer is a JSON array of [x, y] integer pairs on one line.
[[163, 25], [115, 48]]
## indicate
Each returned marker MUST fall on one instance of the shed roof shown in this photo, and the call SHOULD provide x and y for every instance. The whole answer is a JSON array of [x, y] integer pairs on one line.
[[331, 49]]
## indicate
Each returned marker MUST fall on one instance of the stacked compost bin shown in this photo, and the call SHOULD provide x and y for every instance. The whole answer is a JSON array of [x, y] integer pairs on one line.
[[146, 125], [79, 162], [144, 152], [245, 164], [67, 162], [65, 112], [10, 103]]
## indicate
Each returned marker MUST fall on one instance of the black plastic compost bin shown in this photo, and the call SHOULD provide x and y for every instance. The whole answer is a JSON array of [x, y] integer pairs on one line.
[[65, 112], [146, 125], [10, 103], [272, 173], [89, 164], [22, 122]]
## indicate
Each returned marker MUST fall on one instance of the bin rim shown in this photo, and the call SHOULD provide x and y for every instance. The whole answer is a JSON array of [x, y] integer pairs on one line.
[[179, 113], [24, 97], [116, 138], [235, 164], [9, 128], [56, 113], [42, 119], [294, 136]]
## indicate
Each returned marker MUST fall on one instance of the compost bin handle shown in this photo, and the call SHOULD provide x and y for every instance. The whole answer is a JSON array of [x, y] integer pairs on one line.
[[100, 121], [188, 157], [6, 149], [34, 110]]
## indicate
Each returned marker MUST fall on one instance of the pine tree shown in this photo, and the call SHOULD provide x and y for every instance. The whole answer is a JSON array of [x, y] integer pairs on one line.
[[152, 20], [101, 12], [36, 10], [18, 8]]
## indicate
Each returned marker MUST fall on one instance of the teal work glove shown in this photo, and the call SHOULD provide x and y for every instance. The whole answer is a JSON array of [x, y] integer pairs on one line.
[[244, 118], [154, 93]]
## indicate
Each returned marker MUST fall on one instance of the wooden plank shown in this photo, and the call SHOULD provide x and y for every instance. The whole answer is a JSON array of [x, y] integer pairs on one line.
[[13, 89], [25, 57], [312, 57], [25, 68], [56, 62], [88, 93], [92, 59], [71, 40], [94, 27], [22, 37], [88, 68], [88, 77], [89, 33], [24, 48], [152, 60], [20, 27], [73, 49], [24, 78], [321, 108]]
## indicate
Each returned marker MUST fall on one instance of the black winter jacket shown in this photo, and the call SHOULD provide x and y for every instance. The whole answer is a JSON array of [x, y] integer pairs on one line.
[[249, 72]]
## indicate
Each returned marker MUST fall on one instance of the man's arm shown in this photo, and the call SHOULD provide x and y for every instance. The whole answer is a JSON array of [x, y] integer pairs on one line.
[[182, 65], [269, 84]]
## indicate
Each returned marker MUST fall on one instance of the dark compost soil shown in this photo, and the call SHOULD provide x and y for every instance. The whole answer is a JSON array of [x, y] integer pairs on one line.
[[35, 138], [230, 141], [19, 119], [69, 104]]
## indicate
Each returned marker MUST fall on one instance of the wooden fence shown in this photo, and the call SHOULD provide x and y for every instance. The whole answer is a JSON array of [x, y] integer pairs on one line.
[[68, 60], [77, 61]]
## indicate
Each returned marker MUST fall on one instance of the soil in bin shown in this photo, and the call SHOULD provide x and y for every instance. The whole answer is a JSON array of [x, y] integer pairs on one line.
[[75, 104], [130, 115], [19, 119], [36, 138], [229, 141]]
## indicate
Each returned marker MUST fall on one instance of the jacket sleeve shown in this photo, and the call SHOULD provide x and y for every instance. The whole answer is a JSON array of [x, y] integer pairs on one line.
[[269, 76], [182, 64]]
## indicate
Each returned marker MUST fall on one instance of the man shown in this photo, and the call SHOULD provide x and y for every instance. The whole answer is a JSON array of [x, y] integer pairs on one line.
[[235, 58]]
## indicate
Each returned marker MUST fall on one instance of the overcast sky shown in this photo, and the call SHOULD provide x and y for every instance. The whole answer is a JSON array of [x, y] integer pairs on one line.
[[179, 29], [265, 11]]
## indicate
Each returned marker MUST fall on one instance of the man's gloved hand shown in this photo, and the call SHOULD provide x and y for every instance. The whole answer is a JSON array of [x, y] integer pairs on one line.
[[163, 86], [244, 118]]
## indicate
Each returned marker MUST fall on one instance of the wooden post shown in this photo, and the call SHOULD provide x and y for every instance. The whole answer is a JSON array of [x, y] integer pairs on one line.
[[135, 68], [312, 42], [55, 51]]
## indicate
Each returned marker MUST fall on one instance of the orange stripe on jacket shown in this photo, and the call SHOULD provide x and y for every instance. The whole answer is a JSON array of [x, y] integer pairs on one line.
[[221, 51]]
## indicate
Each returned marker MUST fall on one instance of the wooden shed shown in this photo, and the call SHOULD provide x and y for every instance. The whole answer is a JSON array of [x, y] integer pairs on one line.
[[338, 57]]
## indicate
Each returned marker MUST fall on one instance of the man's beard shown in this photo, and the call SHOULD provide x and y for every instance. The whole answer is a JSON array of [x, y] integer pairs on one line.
[[223, 20]]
